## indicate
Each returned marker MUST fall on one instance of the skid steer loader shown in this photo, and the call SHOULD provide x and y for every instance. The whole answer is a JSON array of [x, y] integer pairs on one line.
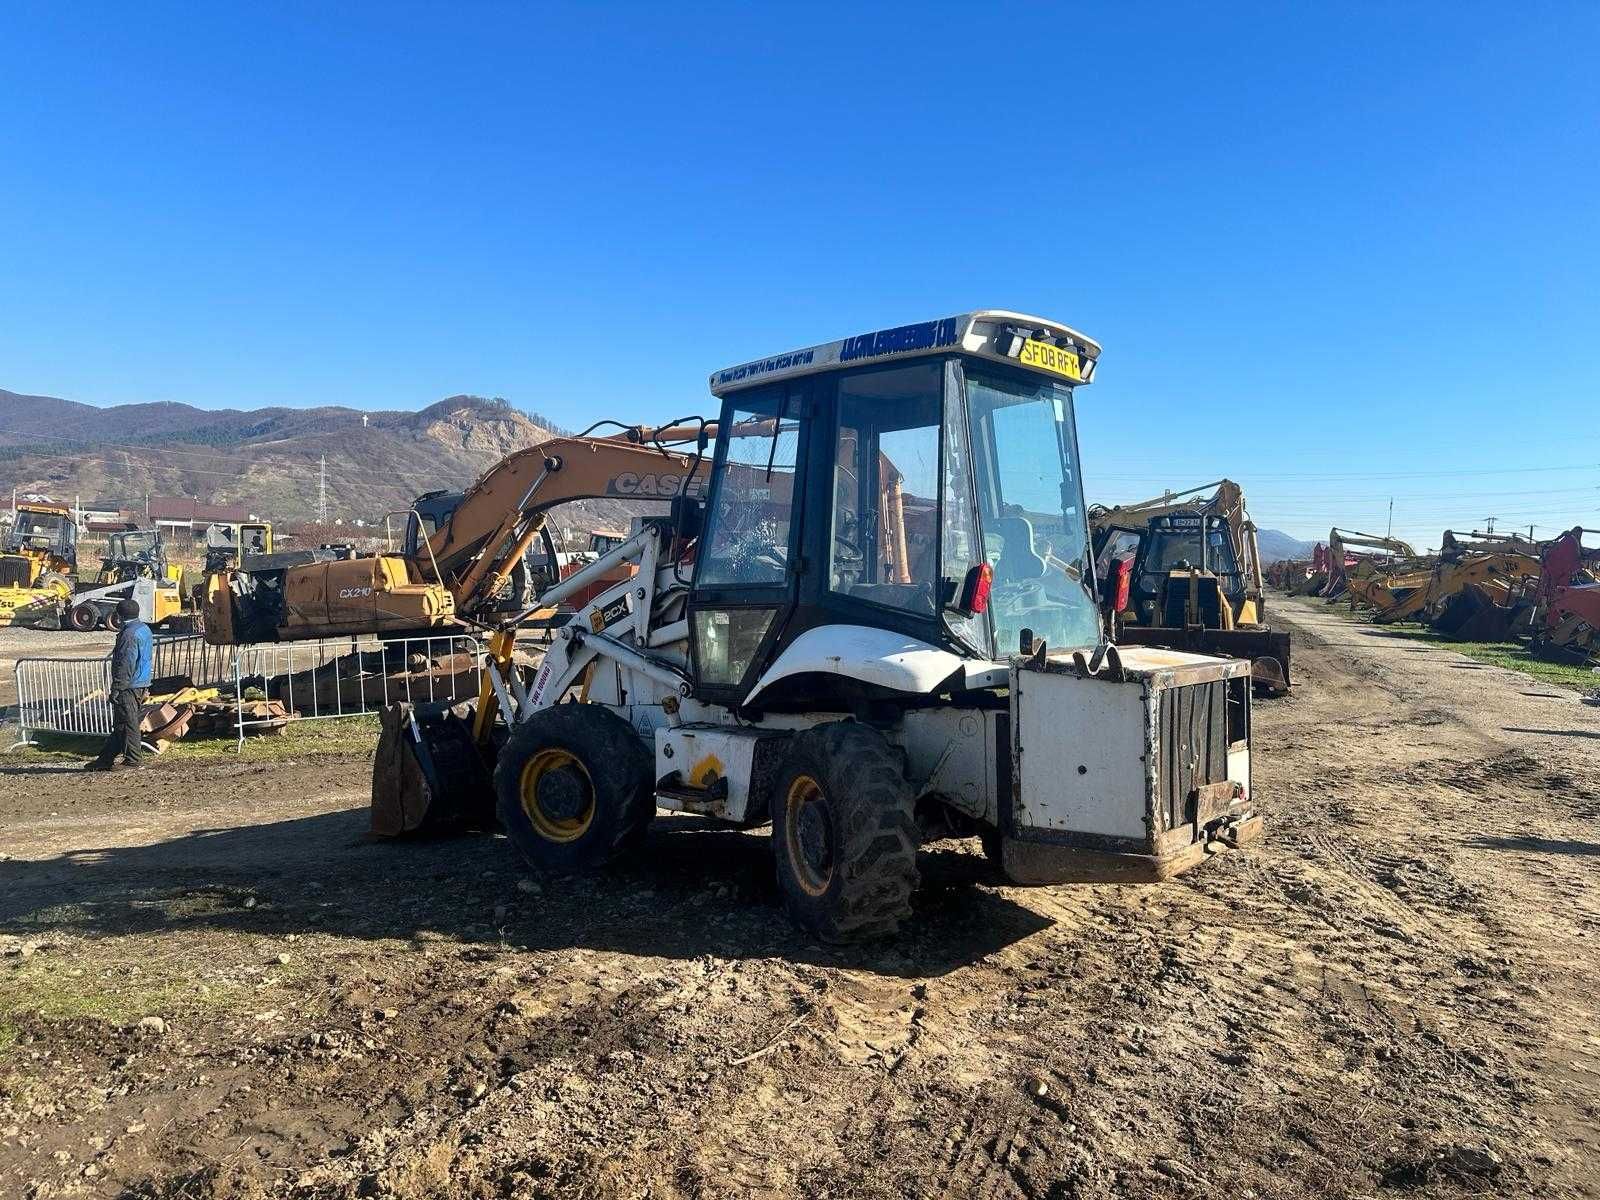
[[872, 615]]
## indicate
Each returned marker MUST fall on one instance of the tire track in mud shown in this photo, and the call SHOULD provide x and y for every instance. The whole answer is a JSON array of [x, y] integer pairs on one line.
[[1500, 980], [1382, 978]]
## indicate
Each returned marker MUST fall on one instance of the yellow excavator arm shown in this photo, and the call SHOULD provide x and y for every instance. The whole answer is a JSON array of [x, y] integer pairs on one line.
[[479, 546], [459, 568]]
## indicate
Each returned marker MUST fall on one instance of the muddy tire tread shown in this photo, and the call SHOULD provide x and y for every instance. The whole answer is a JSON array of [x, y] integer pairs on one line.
[[620, 766], [864, 778]]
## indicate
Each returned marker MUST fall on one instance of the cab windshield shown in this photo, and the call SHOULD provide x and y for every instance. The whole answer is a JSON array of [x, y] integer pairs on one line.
[[1179, 549], [1030, 508], [33, 525], [132, 545]]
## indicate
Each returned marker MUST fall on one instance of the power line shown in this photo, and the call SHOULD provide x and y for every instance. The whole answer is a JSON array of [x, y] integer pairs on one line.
[[1156, 472]]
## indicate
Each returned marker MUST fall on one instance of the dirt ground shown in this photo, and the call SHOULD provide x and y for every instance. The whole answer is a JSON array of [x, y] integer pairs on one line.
[[217, 987]]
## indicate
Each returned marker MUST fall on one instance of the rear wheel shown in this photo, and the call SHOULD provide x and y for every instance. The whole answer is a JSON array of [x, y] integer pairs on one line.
[[844, 834], [574, 787], [114, 621], [83, 618]]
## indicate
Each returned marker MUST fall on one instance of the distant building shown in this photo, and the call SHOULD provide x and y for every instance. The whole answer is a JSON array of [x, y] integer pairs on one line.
[[182, 520]]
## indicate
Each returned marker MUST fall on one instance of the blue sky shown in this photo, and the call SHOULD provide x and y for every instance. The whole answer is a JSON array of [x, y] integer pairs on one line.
[[1338, 253]]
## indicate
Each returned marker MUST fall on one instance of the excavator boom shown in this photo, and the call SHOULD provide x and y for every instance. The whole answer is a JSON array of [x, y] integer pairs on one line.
[[453, 574]]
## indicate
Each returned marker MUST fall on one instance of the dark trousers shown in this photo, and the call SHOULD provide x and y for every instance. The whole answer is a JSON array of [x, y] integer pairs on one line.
[[126, 706]]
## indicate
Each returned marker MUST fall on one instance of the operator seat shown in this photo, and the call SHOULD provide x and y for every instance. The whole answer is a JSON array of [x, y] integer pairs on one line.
[[1018, 558]]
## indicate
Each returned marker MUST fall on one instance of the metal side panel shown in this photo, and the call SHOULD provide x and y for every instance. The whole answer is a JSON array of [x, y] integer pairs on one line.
[[723, 771], [1082, 753]]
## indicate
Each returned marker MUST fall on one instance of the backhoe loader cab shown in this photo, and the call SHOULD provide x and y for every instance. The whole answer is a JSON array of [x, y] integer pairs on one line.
[[40, 547], [1176, 546], [229, 543], [881, 622]]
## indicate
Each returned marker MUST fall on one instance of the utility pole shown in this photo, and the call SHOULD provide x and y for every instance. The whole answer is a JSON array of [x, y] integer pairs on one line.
[[322, 492], [1389, 532], [1489, 525]]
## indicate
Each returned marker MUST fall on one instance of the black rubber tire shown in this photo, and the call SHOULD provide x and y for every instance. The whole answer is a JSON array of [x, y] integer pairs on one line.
[[56, 580], [113, 620], [989, 839], [862, 827], [616, 781], [83, 617]]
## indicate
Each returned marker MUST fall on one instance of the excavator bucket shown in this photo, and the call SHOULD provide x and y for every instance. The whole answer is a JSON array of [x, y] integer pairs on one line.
[[1474, 615], [428, 776]]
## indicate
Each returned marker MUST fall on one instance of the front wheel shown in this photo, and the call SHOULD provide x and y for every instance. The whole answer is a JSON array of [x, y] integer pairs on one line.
[[83, 618], [56, 582], [574, 787], [844, 833]]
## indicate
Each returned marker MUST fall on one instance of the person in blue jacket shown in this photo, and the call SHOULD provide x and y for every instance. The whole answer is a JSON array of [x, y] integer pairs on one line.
[[130, 684]]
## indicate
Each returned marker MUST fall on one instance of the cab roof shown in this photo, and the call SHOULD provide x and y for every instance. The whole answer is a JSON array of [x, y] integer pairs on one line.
[[1033, 343]]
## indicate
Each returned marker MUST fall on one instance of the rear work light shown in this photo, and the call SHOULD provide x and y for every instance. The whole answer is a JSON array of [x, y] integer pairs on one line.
[[974, 597]]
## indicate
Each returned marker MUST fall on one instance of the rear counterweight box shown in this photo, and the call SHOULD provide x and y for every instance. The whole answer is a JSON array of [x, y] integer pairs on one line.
[[1127, 772]]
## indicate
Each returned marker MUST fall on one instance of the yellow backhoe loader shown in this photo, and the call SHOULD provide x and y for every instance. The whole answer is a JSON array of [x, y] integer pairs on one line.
[[38, 562], [1355, 557], [850, 627], [1188, 576], [1471, 592]]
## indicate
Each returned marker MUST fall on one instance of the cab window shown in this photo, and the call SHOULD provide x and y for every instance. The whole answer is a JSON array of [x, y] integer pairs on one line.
[[885, 544], [747, 540]]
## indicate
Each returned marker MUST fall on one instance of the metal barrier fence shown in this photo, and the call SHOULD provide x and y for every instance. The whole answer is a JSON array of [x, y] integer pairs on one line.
[[63, 695], [351, 677], [342, 677]]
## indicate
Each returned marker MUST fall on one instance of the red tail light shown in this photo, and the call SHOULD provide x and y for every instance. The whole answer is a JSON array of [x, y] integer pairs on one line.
[[1124, 581], [975, 589]]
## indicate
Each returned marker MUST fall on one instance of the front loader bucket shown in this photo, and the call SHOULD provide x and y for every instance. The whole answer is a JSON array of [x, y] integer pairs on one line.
[[1267, 649], [428, 775], [30, 607], [1472, 615]]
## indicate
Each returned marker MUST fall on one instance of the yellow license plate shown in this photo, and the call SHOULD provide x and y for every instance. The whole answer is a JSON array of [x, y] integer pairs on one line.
[[1051, 358]]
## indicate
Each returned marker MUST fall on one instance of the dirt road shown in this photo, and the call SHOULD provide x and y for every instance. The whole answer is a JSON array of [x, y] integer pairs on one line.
[[1398, 992]]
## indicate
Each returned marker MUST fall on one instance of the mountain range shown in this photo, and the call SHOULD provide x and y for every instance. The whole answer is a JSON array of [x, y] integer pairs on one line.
[[269, 459], [1275, 544]]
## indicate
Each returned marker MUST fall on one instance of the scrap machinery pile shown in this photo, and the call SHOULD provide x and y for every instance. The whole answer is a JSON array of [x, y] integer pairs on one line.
[[1481, 587]]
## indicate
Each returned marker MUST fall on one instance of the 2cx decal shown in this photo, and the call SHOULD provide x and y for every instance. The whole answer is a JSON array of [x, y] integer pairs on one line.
[[600, 618]]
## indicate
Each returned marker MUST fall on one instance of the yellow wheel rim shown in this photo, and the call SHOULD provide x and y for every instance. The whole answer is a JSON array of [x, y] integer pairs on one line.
[[807, 838], [570, 821]]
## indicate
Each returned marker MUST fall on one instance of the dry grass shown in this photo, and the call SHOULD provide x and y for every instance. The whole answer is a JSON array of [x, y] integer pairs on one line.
[[299, 739], [1513, 656]]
